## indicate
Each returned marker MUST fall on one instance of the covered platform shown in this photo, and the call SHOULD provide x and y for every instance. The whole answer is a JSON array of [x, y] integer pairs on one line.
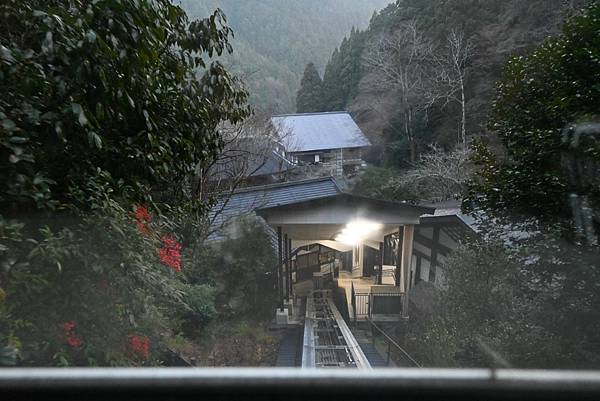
[[364, 248]]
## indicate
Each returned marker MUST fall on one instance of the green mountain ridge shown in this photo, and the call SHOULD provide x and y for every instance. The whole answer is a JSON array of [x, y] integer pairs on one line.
[[275, 39], [497, 30]]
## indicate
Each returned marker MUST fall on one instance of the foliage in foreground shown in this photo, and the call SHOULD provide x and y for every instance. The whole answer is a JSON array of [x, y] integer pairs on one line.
[[109, 108], [519, 294], [540, 96]]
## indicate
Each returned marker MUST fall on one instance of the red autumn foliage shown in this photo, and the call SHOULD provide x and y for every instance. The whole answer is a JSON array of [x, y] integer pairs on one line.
[[72, 339], [170, 254], [142, 214], [143, 218], [140, 345], [69, 326]]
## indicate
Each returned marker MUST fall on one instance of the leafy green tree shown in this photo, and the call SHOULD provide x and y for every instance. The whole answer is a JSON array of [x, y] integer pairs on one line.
[[108, 108], [310, 94], [517, 294], [89, 89], [540, 95], [382, 183], [240, 267], [397, 153]]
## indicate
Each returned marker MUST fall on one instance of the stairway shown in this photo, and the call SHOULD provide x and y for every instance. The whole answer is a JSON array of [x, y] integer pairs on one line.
[[290, 348], [375, 359]]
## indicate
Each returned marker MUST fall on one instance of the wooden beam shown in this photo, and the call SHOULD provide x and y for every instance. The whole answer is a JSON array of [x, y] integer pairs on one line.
[[421, 255], [380, 272], [418, 270], [280, 267], [433, 243], [397, 275], [407, 251], [434, 252], [290, 266], [287, 267]]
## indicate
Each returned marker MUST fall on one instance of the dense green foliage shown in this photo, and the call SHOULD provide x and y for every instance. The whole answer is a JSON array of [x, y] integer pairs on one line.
[[540, 95], [526, 294], [240, 267], [108, 107], [496, 30], [343, 72], [310, 94], [521, 293], [88, 89], [379, 182], [276, 39]]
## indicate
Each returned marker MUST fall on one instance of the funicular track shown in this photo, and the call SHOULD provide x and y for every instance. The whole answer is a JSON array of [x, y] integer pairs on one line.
[[328, 342]]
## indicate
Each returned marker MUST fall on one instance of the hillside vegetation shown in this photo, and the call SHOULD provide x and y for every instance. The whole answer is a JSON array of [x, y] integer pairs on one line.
[[490, 32], [275, 39]]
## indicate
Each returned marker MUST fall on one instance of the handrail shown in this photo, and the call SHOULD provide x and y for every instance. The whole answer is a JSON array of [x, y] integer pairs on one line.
[[353, 301], [394, 343]]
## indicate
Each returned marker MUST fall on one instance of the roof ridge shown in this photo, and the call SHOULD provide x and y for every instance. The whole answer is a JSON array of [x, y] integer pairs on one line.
[[311, 114], [286, 184]]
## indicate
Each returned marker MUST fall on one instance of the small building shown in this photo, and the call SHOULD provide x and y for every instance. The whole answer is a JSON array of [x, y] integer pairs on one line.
[[331, 141], [313, 216]]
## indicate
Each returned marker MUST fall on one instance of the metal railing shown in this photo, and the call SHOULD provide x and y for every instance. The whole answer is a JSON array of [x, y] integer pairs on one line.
[[361, 304], [116, 384], [328, 342], [390, 342], [364, 305]]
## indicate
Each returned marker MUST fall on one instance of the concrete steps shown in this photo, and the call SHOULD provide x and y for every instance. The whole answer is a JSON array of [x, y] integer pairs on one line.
[[374, 357], [290, 349]]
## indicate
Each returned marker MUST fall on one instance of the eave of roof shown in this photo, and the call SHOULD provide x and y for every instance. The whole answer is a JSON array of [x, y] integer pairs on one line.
[[350, 197], [285, 184]]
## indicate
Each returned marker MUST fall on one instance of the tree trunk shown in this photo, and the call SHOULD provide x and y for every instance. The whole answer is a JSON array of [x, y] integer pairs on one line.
[[463, 125], [412, 147]]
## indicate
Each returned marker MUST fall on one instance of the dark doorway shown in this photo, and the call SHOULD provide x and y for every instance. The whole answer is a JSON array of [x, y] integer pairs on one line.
[[370, 259]]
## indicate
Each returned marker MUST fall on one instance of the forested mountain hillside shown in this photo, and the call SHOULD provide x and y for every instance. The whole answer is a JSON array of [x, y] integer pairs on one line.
[[275, 39], [458, 49]]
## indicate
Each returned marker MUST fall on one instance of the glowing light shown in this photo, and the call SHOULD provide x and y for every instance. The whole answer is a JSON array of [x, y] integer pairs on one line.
[[357, 231]]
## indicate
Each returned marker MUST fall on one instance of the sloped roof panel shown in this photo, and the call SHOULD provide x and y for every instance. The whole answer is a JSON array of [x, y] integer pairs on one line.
[[320, 131], [248, 200]]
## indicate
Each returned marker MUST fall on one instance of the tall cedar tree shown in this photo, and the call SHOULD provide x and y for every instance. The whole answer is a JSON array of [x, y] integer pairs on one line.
[[343, 72], [310, 95]]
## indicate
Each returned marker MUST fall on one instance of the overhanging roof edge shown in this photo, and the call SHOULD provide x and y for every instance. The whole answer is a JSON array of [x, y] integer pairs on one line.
[[342, 194]]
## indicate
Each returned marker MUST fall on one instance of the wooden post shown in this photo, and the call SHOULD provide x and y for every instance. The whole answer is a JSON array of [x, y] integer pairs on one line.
[[407, 250], [397, 275], [287, 268], [280, 267], [434, 251], [381, 252]]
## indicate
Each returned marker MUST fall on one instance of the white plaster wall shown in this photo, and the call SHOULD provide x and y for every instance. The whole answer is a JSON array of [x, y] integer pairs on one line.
[[447, 241], [421, 248], [425, 266]]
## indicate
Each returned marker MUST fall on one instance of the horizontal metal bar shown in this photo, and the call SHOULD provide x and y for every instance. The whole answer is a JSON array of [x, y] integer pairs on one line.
[[285, 384], [12, 378]]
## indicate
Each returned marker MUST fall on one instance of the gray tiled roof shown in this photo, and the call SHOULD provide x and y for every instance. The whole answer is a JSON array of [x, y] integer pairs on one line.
[[248, 200], [320, 131]]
